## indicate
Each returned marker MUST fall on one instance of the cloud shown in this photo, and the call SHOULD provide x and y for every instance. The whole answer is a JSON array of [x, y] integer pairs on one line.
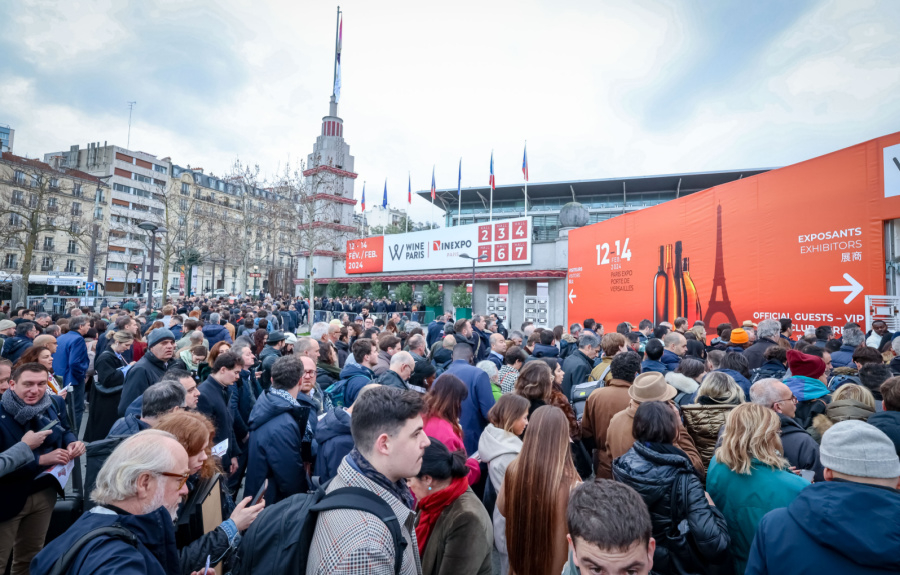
[[599, 89]]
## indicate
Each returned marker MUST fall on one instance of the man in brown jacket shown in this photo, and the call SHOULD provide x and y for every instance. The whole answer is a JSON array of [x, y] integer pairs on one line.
[[650, 386], [604, 403]]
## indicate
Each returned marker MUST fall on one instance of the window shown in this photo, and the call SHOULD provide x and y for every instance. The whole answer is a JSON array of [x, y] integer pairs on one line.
[[52, 206], [98, 213], [70, 265], [15, 219], [54, 183], [76, 190], [185, 188], [20, 177], [73, 247], [160, 169], [117, 265], [184, 205], [74, 229], [76, 209], [32, 201], [35, 180], [140, 178], [98, 195], [48, 244], [46, 264], [9, 262], [18, 198]]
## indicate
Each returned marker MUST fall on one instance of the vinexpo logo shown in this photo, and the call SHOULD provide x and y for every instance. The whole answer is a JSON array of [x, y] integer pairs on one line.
[[438, 245]]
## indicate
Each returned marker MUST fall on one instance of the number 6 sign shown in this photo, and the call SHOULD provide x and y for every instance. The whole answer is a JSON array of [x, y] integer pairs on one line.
[[501, 252]]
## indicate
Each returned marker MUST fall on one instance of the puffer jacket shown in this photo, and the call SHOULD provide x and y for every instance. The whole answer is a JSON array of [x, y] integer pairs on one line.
[[652, 475], [843, 410], [703, 423]]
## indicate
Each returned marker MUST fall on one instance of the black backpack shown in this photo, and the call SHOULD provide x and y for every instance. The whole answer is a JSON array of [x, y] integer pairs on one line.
[[116, 531], [279, 539], [96, 454]]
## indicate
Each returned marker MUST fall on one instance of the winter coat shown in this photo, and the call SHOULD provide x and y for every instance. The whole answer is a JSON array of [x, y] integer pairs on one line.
[[147, 371], [541, 350], [578, 368], [343, 351], [652, 474], [831, 527], [703, 423], [600, 369], [670, 359], [24, 481], [744, 499], [15, 346], [602, 404], [351, 542], [267, 358], [619, 439], [755, 353], [461, 540], [812, 397], [435, 333], [473, 417], [335, 442], [653, 365], [391, 379], [498, 448], [277, 430], [384, 363], [105, 395], [742, 381], [483, 344], [327, 375], [243, 399], [15, 457], [843, 357], [687, 388], [154, 554], [357, 377], [843, 410], [772, 368], [71, 359], [496, 359], [214, 403], [216, 333], [800, 449], [128, 425], [443, 431], [889, 423]]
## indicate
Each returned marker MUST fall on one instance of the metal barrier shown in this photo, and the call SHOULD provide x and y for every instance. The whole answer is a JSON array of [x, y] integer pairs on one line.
[[57, 304], [422, 317]]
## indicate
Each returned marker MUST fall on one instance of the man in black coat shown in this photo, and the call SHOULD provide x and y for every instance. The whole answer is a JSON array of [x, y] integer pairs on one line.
[[769, 331], [888, 420], [479, 327], [150, 368], [578, 366], [215, 397]]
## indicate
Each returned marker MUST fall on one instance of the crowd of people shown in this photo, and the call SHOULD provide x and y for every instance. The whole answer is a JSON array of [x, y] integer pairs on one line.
[[651, 448]]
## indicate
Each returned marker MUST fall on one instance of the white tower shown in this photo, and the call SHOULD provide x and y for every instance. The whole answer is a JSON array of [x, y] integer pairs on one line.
[[330, 177]]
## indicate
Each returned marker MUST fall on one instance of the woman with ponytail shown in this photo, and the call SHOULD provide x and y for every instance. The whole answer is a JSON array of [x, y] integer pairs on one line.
[[454, 531]]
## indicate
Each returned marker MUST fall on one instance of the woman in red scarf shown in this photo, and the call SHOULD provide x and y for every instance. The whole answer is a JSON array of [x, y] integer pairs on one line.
[[454, 531]]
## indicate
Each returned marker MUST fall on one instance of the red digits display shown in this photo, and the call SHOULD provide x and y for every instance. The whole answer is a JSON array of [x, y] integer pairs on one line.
[[484, 233]]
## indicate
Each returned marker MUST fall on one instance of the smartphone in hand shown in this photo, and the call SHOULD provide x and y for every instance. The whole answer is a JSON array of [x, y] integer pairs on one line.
[[259, 494], [49, 426]]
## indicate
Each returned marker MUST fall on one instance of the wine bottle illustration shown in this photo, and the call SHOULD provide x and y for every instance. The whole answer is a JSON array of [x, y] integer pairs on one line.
[[660, 287], [672, 288], [680, 307], [692, 299]]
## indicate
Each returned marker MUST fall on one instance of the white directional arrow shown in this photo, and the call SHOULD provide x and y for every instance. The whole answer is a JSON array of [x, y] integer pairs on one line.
[[855, 288], [572, 295]]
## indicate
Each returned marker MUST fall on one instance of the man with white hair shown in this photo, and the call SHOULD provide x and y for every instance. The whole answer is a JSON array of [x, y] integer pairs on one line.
[[768, 332], [401, 367], [214, 332], [319, 331], [416, 344], [800, 449], [132, 528]]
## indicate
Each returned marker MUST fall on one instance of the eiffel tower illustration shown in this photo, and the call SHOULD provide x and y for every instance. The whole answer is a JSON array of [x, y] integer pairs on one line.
[[719, 305]]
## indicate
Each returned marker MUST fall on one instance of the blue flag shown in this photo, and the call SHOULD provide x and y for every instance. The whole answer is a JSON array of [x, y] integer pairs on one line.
[[459, 180], [384, 201]]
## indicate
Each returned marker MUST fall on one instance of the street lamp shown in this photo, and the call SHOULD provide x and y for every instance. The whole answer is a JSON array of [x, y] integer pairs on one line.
[[153, 229], [474, 259]]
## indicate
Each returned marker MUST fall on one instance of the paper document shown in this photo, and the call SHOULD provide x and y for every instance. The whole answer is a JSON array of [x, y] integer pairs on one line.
[[220, 449], [61, 472]]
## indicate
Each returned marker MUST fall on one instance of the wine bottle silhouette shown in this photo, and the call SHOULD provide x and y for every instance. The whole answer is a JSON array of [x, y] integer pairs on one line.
[[660, 290]]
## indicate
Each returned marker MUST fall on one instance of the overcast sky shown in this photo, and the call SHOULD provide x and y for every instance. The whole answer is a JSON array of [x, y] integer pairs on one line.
[[598, 88]]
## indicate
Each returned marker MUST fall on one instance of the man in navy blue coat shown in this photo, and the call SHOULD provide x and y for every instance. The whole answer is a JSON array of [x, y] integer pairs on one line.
[[473, 416], [70, 362], [215, 397], [26, 505], [280, 437]]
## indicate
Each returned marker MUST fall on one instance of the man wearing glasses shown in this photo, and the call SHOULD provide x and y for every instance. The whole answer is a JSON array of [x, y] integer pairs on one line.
[[215, 395], [800, 449], [138, 489]]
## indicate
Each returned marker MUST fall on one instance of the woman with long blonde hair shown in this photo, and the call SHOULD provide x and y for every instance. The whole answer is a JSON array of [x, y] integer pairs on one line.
[[535, 494], [749, 476]]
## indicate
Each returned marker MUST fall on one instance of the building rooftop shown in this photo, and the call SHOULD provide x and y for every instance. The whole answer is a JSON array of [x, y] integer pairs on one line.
[[45, 167]]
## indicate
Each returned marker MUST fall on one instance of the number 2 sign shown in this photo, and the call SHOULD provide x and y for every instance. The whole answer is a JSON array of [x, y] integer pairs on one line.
[[484, 233]]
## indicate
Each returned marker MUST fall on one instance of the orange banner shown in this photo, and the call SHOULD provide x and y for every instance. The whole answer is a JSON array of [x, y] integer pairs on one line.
[[804, 241]]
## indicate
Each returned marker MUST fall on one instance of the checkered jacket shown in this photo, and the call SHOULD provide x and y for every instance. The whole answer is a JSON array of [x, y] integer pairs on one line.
[[349, 542]]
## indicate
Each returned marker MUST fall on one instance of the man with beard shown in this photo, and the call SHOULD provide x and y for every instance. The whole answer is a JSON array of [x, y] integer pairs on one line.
[[138, 490], [150, 368]]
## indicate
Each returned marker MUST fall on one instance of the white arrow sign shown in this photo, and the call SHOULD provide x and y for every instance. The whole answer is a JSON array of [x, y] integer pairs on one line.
[[855, 288], [572, 295]]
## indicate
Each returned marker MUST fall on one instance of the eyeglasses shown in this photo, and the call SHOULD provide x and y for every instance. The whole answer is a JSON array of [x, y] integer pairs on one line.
[[182, 476], [792, 399], [309, 372]]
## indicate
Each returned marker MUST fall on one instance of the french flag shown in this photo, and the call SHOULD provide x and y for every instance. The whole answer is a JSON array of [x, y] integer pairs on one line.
[[525, 163], [491, 181], [433, 188], [364, 197], [409, 198]]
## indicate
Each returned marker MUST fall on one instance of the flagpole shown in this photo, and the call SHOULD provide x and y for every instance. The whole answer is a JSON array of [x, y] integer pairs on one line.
[[491, 202], [526, 179], [409, 204], [459, 194]]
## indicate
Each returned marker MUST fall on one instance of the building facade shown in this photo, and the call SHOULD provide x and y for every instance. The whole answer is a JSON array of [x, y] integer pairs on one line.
[[7, 137], [51, 221]]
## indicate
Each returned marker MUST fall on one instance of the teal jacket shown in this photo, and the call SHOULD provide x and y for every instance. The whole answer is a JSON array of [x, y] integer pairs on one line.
[[744, 499]]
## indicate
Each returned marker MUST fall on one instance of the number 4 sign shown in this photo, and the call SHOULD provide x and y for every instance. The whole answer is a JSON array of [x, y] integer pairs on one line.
[[520, 230]]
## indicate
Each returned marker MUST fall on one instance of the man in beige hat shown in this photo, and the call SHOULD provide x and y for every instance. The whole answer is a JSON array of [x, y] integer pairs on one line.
[[7, 329], [649, 386]]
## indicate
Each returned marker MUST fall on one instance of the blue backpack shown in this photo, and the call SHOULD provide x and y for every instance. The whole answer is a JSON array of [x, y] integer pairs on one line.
[[334, 395]]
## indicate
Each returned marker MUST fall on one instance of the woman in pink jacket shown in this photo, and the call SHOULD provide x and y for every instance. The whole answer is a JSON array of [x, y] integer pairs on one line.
[[443, 404]]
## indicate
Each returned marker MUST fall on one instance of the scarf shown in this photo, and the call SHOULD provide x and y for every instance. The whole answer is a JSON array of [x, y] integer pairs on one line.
[[21, 411], [806, 388], [188, 359], [399, 489], [431, 507]]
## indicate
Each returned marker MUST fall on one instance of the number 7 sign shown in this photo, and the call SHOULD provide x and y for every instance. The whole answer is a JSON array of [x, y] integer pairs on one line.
[[519, 251]]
